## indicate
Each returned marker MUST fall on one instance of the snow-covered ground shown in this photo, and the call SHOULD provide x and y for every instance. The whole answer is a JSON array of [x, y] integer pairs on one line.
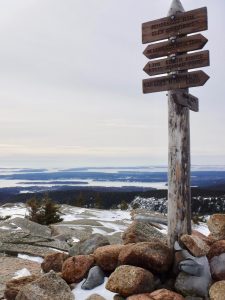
[[115, 220], [15, 210]]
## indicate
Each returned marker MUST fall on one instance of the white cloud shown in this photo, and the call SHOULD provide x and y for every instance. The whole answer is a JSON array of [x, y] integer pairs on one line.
[[71, 74]]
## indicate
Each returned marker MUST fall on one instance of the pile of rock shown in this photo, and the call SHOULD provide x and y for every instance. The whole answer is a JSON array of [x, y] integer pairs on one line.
[[142, 268]]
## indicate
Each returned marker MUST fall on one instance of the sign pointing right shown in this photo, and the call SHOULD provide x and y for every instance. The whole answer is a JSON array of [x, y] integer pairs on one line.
[[187, 100], [175, 46]]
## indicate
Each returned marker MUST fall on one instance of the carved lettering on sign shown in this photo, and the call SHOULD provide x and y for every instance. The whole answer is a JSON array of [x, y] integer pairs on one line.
[[175, 46], [180, 24], [179, 63], [174, 82]]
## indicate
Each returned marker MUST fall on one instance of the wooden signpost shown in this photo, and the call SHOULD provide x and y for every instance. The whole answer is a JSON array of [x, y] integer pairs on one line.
[[187, 100], [175, 25], [178, 63], [175, 46], [177, 80], [174, 82]]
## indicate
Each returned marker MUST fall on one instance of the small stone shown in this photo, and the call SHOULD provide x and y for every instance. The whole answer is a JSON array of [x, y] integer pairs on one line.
[[89, 245], [178, 257], [193, 298], [106, 257], [216, 249], [140, 297], [95, 278], [153, 256], [50, 287], [217, 267], [189, 285], [191, 267], [217, 291], [129, 280], [54, 262], [75, 268], [142, 232], [15, 285], [195, 245], [166, 294], [207, 239], [216, 225], [118, 297], [95, 297]]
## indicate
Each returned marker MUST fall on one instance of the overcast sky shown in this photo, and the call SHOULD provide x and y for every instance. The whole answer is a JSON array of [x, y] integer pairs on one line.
[[70, 85]]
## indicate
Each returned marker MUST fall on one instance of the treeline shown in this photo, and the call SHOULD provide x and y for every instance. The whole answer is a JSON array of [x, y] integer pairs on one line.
[[203, 201]]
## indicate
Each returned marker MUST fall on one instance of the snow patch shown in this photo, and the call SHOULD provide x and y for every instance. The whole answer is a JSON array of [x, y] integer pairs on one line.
[[100, 290], [202, 228], [5, 228], [98, 230], [37, 259], [75, 240], [21, 273]]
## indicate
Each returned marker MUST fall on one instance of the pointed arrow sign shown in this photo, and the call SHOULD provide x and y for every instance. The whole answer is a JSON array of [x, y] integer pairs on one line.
[[175, 25], [175, 46], [174, 82], [178, 63], [186, 100]]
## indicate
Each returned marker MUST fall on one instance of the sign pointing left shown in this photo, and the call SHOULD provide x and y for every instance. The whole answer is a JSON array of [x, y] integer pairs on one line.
[[178, 63], [174, 82]]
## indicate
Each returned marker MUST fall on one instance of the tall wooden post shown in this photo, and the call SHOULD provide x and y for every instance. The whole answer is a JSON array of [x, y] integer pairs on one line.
[[179, 192], [176, 26]]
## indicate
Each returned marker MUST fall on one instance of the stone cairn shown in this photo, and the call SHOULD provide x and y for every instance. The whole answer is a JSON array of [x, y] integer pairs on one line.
[[142, 268]]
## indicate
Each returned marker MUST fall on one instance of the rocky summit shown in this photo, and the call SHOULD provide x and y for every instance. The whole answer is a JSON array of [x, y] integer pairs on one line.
[[105, 255]]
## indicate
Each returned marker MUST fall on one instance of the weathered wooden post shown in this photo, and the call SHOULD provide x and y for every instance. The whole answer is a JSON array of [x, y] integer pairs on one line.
[[179, 190], [175, 27]]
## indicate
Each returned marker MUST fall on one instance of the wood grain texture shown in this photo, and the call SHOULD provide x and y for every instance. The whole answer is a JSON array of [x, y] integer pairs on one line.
[[186, 99], [178, 63], [179, 192], [179, 162], [175, 46], [174, 82], [175, 25]]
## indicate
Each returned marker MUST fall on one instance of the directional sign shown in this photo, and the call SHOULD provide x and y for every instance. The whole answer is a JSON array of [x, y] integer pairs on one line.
[[174, 82], [176, 25], [178, 63], [175, 46], [186, 100]]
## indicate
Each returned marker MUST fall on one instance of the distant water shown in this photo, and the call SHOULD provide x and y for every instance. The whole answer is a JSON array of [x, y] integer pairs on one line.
[[28, 180]]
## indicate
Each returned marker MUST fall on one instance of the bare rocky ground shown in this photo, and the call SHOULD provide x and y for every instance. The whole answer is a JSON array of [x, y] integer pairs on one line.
[[18, 236], [10, 265], [131, 248]]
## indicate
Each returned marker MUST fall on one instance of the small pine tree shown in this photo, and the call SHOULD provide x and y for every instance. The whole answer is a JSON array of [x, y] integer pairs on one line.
[[123, 205], [44, 212], [33, 206], [135, 205]]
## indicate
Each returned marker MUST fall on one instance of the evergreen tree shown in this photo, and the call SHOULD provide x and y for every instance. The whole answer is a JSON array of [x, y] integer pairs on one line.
[[43, 211], [123, 205]]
